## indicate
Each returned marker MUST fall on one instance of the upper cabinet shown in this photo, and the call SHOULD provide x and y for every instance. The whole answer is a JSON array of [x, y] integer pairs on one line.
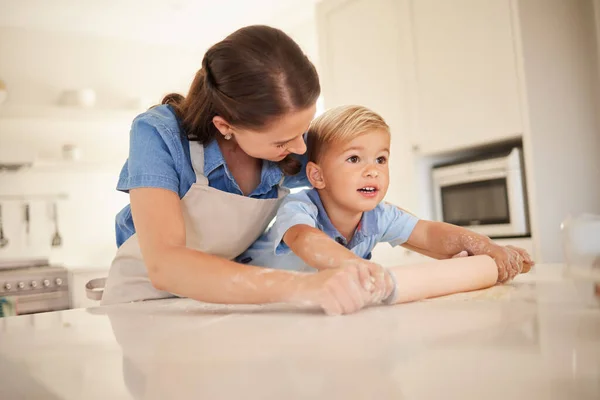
[[467, 87], [358, 46], [444, 73], [360, 56]]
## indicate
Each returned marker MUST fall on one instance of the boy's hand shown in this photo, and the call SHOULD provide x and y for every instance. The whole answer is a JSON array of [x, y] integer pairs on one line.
[[527, 261], [510, 260]]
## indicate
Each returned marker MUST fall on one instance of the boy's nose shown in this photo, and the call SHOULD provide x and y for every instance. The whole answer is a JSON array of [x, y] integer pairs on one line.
[[372, 172]]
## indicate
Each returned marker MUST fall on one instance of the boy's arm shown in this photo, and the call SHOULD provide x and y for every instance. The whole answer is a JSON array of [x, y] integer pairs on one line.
[[448, 240], [317, 249], [427, 253]]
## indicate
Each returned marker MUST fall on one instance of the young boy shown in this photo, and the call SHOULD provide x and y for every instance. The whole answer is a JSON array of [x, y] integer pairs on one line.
[[343, 217]]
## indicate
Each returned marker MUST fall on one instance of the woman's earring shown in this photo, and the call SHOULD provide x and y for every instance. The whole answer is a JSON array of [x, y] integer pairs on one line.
[[228, 136]]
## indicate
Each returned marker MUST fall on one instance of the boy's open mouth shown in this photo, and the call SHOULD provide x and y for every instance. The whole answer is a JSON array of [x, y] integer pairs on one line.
[[368, 191]]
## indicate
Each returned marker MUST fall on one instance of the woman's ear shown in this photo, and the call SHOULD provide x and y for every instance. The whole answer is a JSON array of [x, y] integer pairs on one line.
[[315, 175], [222, 126]]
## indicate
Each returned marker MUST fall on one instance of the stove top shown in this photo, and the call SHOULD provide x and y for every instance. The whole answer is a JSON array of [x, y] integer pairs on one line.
[[37, 286], [23, 263]]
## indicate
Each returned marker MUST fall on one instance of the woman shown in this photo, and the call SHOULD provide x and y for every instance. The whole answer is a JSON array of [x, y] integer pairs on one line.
[[205, 175]]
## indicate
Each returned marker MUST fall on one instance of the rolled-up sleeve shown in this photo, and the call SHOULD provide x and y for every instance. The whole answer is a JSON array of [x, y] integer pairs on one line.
[[296, 210], [396, 224], [153, 161]]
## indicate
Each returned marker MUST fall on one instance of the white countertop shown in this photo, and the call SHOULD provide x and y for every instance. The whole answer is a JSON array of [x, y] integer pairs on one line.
[[537, 338]]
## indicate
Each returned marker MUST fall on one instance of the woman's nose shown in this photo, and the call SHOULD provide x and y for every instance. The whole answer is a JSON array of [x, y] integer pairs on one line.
[[297, 146]]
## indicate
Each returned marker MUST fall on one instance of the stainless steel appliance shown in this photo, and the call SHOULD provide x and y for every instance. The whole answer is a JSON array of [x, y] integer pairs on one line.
[[36, 285], [485, 195]]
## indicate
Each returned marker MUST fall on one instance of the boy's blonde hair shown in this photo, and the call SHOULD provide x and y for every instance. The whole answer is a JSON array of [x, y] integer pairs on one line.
[[340, 125]]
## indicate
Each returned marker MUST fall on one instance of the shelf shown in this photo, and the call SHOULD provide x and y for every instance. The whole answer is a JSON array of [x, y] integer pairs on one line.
[[64, 113]]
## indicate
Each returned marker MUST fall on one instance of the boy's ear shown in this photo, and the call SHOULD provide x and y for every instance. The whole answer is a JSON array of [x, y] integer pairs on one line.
[[315, 175]]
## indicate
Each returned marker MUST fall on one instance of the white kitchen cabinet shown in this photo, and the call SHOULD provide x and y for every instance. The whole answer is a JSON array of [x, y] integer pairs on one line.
[[467, 86], [361, 59], [442, 73]]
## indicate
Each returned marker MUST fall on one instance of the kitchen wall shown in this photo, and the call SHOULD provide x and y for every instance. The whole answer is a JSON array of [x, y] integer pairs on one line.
[[560, 66], [36, 66], [85, 217]]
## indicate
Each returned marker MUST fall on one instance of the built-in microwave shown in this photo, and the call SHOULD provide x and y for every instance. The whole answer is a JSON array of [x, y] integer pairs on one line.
[[485, 195]]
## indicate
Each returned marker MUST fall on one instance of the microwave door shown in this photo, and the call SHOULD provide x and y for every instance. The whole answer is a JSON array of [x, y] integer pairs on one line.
[[480, 203]]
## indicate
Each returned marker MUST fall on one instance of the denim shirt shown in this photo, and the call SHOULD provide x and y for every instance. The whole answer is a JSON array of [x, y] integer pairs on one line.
[[159, 157]]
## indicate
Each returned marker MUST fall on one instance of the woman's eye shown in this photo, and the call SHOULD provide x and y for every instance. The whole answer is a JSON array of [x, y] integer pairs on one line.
[[281, 146], [353, 159], [381, 160]]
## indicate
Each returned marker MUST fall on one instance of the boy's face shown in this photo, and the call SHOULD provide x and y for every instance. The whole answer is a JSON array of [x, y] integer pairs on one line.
[[356, 174]]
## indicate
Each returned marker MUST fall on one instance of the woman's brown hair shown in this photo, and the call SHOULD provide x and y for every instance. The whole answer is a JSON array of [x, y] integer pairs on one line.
[[250, 78]]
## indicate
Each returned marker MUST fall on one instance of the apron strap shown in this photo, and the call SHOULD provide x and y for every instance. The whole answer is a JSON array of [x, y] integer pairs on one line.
[[95, 288], [197, 156]]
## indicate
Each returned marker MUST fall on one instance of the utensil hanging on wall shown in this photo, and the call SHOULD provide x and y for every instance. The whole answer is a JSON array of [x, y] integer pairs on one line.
[[56, 239], [3, 239], [3, 92], [27, 217]]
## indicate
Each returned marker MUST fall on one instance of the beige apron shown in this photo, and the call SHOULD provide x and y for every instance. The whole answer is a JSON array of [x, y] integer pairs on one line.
[[216, 222]]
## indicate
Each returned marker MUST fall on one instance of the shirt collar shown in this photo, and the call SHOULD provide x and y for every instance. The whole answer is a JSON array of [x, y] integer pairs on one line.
[[213, 158], [366, 227], [270, 174]]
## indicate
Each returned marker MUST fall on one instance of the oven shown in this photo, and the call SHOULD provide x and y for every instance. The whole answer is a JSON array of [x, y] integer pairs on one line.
[[34, 286], [485, 195]]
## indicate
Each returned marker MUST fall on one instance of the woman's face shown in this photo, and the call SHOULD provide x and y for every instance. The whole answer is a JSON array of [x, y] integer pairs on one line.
[[281, 137]]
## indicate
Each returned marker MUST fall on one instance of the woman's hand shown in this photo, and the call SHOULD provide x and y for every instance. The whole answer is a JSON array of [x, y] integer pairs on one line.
[[340, 290], [374, 278]]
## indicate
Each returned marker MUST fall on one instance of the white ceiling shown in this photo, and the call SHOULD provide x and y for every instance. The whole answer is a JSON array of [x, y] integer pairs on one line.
[[182, 22]]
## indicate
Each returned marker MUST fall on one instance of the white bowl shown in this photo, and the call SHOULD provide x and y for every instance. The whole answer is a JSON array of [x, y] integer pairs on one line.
[[78, 98]]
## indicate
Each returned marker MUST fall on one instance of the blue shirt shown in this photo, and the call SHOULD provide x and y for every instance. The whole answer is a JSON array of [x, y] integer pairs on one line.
[[159, 157], [385, 223]]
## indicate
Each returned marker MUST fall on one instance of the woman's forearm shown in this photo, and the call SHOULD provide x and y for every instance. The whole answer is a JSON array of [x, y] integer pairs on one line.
[[315, 248], [209, 278]]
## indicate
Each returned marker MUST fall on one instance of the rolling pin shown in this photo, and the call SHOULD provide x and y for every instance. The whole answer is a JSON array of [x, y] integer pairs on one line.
[[443, 277]]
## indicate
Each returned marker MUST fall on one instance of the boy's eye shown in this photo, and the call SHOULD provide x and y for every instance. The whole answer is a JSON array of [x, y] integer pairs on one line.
[[281, 146], [353, 159], [381, 160]]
